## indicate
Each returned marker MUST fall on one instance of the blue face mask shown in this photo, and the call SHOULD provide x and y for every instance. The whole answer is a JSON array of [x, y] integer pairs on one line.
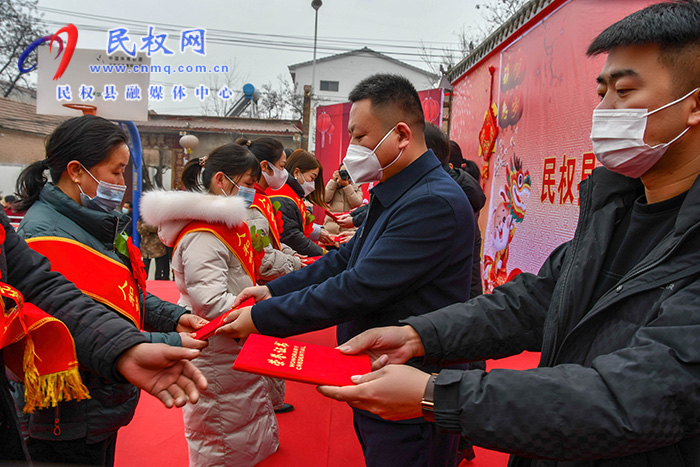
[[248, 194], [107, 197]]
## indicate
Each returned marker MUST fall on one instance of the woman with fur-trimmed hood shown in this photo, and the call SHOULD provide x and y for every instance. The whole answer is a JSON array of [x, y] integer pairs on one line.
[[234, 422]]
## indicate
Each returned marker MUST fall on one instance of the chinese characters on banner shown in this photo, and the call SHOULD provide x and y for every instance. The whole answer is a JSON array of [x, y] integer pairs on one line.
[[569, 178]]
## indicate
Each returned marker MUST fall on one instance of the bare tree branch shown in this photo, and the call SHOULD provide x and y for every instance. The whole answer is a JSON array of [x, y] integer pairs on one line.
[[216, 82], [20, 25], [281, 101], [493, 12]]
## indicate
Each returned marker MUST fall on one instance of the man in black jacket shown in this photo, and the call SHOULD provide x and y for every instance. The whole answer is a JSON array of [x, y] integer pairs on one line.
[[105, 343], [615, 311]]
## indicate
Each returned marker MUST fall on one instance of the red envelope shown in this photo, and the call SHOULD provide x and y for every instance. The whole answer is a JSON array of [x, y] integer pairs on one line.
[[208, 330], [331, 215], [299, 361]]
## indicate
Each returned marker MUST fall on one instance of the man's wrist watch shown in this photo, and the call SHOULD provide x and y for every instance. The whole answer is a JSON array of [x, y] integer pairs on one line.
[[427, 403]]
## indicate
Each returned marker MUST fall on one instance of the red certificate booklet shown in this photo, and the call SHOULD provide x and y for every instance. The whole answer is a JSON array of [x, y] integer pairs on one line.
[[208, 330], [334, 216], [298, 361], [331, 215]]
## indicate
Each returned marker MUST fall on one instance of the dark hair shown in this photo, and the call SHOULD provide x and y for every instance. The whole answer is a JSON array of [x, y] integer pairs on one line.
[[265, 148], [88, 139], [305, 161], [392, 94], [129, 203], [436, 140], [231, 159], [288, 151], [673, 26], [456, 157], [10, 199], [473, 170]]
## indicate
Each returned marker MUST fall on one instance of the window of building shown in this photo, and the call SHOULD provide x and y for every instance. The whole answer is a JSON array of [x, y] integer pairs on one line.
[[329, 86]]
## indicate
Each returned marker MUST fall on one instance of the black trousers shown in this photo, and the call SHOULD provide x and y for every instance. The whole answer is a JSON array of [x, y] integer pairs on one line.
[[389, 444], [74, 452]]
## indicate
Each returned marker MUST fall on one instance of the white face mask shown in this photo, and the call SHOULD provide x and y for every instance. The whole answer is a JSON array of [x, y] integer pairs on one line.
[[307, 186], [278, 177], [362, 163], [618, 139]]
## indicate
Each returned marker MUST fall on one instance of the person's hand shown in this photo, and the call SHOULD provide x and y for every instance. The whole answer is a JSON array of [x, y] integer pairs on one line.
[[325, 238], [258, 292], [336, 176], [190, 342], [394, 392], [240, 324], [190, 323], [342, 182], [345, 221], [344, 237], [391, 344], [163, 371]]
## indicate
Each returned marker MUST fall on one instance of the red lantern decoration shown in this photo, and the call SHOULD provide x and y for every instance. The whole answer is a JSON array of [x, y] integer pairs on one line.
[[431, 109], [330, 132], [323, 123]]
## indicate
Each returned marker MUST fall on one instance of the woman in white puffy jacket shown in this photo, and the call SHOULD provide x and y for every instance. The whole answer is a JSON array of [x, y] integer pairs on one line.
[[234, 422]]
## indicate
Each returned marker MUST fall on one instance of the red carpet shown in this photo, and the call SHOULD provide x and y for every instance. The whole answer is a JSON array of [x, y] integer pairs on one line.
[[318, 433]]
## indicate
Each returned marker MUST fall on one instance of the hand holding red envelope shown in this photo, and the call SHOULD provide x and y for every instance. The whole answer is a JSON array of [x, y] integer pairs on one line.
[[207, 331], [300, 361]]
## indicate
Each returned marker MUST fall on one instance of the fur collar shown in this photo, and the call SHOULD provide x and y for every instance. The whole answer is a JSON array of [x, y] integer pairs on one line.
[[171, 211]]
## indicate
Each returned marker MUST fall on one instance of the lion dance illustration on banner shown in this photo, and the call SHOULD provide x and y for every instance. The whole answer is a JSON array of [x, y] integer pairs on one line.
[[504, 218]]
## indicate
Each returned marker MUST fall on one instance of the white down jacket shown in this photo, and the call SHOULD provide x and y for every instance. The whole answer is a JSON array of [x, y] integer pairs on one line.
[[233, 423]]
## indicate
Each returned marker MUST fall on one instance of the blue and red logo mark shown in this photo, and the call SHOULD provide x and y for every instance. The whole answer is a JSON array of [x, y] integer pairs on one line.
[[72, 33]]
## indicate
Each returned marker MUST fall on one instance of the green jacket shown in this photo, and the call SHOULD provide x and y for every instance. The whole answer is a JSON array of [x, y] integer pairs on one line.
[[112, 404]]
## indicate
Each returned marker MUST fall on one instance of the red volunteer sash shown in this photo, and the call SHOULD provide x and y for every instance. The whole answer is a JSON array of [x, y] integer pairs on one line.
[[39, 350], [237, 240], [287, 192], [263, 204], [98, 276]]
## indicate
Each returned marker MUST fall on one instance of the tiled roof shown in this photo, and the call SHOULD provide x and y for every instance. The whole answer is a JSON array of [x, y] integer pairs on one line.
[[515, 22], [22, 117], [220, 124]]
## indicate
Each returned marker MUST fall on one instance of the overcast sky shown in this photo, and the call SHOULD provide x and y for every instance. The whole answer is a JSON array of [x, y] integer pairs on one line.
[[283, 31]]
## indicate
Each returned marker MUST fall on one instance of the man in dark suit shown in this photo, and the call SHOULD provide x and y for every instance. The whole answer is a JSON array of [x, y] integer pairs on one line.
[[413, 254]]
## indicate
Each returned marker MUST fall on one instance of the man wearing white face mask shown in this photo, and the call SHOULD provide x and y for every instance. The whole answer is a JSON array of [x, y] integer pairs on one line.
[[412, 255], [614, 311]]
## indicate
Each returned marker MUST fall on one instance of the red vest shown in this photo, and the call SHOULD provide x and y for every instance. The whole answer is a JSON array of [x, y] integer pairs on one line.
[[98, 276], [287, 192], [263, 204], [237, 240]]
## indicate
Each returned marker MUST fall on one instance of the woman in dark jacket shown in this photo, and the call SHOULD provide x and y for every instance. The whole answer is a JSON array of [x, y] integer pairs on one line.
[[305, 181], [74, 223]]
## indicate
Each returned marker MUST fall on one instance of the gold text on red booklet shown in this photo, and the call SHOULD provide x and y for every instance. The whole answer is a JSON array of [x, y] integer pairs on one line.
[[278, 356]]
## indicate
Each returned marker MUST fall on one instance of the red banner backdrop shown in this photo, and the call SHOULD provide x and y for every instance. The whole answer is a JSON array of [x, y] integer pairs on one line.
[[332, 137], [545, 90]]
